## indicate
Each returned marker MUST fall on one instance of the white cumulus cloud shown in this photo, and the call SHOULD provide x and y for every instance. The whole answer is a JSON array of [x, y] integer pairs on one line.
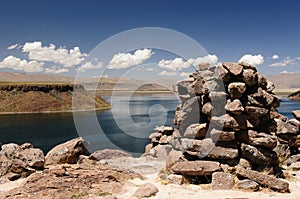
[[90, 66], [211, 59], [61, 55], [180, 64], [275, 56], [166, 73], [16, 63], [287, 61], [252, 59], [15, 46], [174, 64], [126, 60]]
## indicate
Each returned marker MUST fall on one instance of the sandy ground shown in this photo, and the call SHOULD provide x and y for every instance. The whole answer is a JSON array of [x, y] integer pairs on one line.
[[149, 168]]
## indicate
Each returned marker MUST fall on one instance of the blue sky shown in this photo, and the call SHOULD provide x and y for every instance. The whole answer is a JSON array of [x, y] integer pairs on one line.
[[228, 29]]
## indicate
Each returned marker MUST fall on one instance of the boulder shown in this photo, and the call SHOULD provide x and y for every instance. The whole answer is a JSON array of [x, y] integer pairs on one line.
[[250, 77], [285, 128], [146, 190], [200, 148], [165, 130], [196, 131], [245, 164], [264, 179], [207, 108], [222, 181], [257, 155], [108, 154], [174, 157], [10, 150], [5, 164], [234, 106], [33, 157], [248, 185], [257, 139], [67, 152], [222, 73], [222, 136], [236, 89], [225, 121], [198, 167], [233, 68], [223, 153], [154, 137], [256, 111], [161, 151], [175, 179]]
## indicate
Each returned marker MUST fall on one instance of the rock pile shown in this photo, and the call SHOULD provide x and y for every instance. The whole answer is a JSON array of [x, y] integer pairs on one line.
[[227, 121], [20, 161]]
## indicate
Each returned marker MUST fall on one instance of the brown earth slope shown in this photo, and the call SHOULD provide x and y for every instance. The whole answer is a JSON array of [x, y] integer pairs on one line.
[[46, 97]]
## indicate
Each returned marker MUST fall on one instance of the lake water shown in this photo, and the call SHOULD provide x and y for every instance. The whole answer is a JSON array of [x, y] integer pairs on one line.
[[126, 126]]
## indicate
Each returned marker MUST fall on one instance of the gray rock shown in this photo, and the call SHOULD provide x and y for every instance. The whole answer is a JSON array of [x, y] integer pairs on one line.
[[196, 131], [222, 73], [245, 164], [5, 164], [162, 151], [233, 68], [247, 66], [33, 157], [165, 130], [234, 106], [263, 179], [257, 155], [223, 153], [236, 89], [270, 86], [218, 135], [175, 179], [203, 66], [250, 77], [67, 152], [108, 154], [286, 128], [174, 157], [248, 185], [200, 148], [256, 111], [225, 121], [198, 167], [207, 108], [163, 139], [146, 190], [210, 86], [222, 181], [154, 137], [10, 150], [257, 139]]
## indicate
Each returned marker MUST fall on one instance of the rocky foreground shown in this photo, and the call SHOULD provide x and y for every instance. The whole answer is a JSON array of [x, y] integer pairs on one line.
[[68, 172]]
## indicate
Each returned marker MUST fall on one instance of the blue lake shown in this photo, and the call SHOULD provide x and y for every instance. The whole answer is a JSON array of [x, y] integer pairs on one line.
[[126, 126]]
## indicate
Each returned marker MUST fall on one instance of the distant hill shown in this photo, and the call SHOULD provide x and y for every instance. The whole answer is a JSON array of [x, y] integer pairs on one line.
[[46, 97], [105, 83], [289, 82]]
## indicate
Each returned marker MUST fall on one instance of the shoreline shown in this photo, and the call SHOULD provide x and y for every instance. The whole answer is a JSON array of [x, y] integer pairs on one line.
[[53, 112]]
